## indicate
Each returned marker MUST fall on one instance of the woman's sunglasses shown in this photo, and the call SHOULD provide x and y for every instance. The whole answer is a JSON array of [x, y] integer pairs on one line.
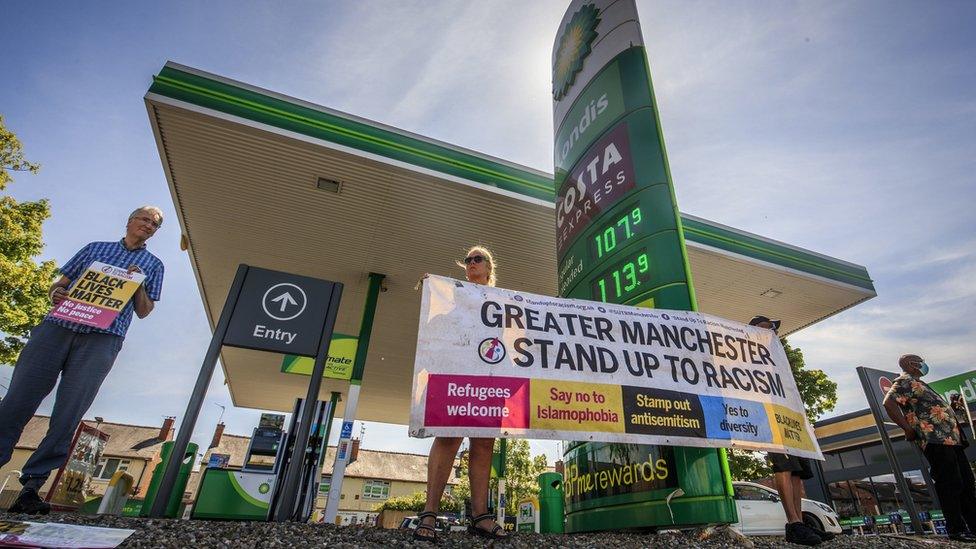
[[473, 259]]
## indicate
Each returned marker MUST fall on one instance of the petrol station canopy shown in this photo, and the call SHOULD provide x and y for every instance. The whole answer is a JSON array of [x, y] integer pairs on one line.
[[275, 182]]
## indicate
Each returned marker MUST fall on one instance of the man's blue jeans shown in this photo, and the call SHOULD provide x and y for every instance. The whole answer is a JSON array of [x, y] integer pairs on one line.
[[82, 361]]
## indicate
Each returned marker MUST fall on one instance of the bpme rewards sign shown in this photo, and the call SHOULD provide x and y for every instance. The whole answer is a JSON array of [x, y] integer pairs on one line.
[[97, 297]]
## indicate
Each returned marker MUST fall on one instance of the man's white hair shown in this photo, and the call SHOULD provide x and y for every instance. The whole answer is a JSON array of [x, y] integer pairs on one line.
[[151, 209]]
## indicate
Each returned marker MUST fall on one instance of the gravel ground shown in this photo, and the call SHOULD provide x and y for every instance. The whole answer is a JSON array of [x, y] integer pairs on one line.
[[169, 533]]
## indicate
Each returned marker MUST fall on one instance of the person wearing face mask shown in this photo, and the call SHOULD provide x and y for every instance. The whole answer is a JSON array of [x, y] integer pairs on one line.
[[930, 422]]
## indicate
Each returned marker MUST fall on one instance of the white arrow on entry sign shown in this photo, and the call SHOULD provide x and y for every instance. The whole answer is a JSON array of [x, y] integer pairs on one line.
[[286, 299], [281, 298]]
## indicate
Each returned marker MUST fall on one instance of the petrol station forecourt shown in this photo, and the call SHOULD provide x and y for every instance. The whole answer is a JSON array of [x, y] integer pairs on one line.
[[249, 169]]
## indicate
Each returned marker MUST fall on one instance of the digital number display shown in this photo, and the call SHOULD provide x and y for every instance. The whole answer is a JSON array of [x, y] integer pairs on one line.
[[623, 279], [618, 232]]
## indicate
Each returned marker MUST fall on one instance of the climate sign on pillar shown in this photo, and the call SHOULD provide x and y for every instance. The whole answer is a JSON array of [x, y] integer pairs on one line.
[[618, 231]]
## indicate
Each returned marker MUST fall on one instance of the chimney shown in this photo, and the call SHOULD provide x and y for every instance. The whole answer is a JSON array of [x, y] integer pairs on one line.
[[354, 452], [167, 429], [218, 432], [560, 467]]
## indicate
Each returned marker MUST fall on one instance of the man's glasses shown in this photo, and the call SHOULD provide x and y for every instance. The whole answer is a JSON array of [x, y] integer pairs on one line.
[[153, 222], [473, 259]]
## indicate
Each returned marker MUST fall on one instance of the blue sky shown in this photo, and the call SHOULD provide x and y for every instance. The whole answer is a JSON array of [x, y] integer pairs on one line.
[[845, 128]]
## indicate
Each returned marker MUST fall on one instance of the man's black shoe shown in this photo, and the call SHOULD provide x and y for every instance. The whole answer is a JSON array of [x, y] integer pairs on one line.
[[797, 532], [964, 537], [29, 503]]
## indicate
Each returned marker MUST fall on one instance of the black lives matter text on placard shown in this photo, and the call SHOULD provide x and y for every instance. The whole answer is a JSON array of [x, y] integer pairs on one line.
[[279, 312]]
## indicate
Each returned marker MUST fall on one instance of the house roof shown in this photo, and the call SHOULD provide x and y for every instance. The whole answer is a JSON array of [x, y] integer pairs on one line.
[[122, 437], [375, 464], [381, 465]]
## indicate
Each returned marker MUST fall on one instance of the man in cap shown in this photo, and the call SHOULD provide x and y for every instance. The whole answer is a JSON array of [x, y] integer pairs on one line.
[[928, 419], [80, 355], [789, 472]]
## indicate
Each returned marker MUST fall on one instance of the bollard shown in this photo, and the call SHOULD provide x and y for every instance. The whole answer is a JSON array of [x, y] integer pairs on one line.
[[176, 496], [551, 518], [116, 494]]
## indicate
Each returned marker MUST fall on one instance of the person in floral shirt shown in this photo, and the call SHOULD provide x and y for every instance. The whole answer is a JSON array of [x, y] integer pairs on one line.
[[927, 419]]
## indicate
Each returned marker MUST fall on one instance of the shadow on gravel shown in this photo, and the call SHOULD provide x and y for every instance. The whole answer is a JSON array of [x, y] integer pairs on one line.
[[170, 533]]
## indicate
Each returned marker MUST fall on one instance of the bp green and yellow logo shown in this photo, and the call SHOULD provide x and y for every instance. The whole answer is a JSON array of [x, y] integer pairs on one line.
[[574, 46], [264, 488]]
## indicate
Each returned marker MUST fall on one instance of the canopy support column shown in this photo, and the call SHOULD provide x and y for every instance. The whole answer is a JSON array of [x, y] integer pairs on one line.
[[344, 446]]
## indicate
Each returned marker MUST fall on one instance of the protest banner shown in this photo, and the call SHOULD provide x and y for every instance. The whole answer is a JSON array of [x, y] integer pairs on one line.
[[497, 363], [97, 297]]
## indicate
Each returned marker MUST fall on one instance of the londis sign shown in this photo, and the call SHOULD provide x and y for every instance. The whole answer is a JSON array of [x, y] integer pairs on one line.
[[613, 192]]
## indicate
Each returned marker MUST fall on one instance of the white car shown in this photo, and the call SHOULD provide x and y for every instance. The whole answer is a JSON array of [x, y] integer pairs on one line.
[[761, 513]]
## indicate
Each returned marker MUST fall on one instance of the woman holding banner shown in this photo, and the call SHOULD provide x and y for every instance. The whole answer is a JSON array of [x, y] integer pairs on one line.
[[479, 268]]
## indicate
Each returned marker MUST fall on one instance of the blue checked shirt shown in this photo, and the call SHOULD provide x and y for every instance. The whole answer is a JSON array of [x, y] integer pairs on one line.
[[116, 254]]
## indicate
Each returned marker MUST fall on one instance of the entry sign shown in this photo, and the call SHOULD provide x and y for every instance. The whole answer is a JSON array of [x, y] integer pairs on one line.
[[279, 312]]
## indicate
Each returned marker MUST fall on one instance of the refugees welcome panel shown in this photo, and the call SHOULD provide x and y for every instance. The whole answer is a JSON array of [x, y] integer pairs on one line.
[[493, 362]]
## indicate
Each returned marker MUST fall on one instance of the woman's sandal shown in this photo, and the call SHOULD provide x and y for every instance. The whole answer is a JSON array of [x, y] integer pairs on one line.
[[432, 537], [490, 534]]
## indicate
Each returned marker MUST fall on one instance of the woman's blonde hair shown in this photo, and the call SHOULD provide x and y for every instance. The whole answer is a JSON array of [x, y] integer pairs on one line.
[[488, 257]]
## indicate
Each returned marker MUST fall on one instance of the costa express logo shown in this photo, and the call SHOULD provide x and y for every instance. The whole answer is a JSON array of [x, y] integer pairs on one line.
[[597, 182], [491, 350], [574, 46]]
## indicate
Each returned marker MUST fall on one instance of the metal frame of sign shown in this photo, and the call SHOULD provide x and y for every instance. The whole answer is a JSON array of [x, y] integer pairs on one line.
[[889, 449], [293, 471]]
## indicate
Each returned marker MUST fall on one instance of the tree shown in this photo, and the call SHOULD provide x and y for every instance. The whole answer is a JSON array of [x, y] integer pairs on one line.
[[23, 283], [521, 474], [819, 395]]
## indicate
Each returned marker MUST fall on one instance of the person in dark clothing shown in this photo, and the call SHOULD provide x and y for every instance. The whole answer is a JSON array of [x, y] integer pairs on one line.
[[929, 421], [789, 472]]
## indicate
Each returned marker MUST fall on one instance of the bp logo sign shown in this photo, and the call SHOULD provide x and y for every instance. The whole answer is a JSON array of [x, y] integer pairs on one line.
[[885, 384], [574, 46], [264, 488], [491, 350]]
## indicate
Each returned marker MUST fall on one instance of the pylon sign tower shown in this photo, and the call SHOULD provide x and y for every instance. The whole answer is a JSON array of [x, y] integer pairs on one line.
[[619, 240]]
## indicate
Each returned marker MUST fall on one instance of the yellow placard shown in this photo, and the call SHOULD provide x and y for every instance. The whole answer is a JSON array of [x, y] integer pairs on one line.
[[575, 406], [788, 427]]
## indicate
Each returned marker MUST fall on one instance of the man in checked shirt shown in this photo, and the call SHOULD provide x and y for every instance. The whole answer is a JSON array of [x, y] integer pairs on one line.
[[81, 355]]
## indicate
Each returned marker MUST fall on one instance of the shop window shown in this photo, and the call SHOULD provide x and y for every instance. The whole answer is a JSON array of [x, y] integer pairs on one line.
[[867, 501], [886, 490], [832, 462], [108, 466], [844, 497], [875, 455], [852, 458], [376, 489], [919, 490]]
